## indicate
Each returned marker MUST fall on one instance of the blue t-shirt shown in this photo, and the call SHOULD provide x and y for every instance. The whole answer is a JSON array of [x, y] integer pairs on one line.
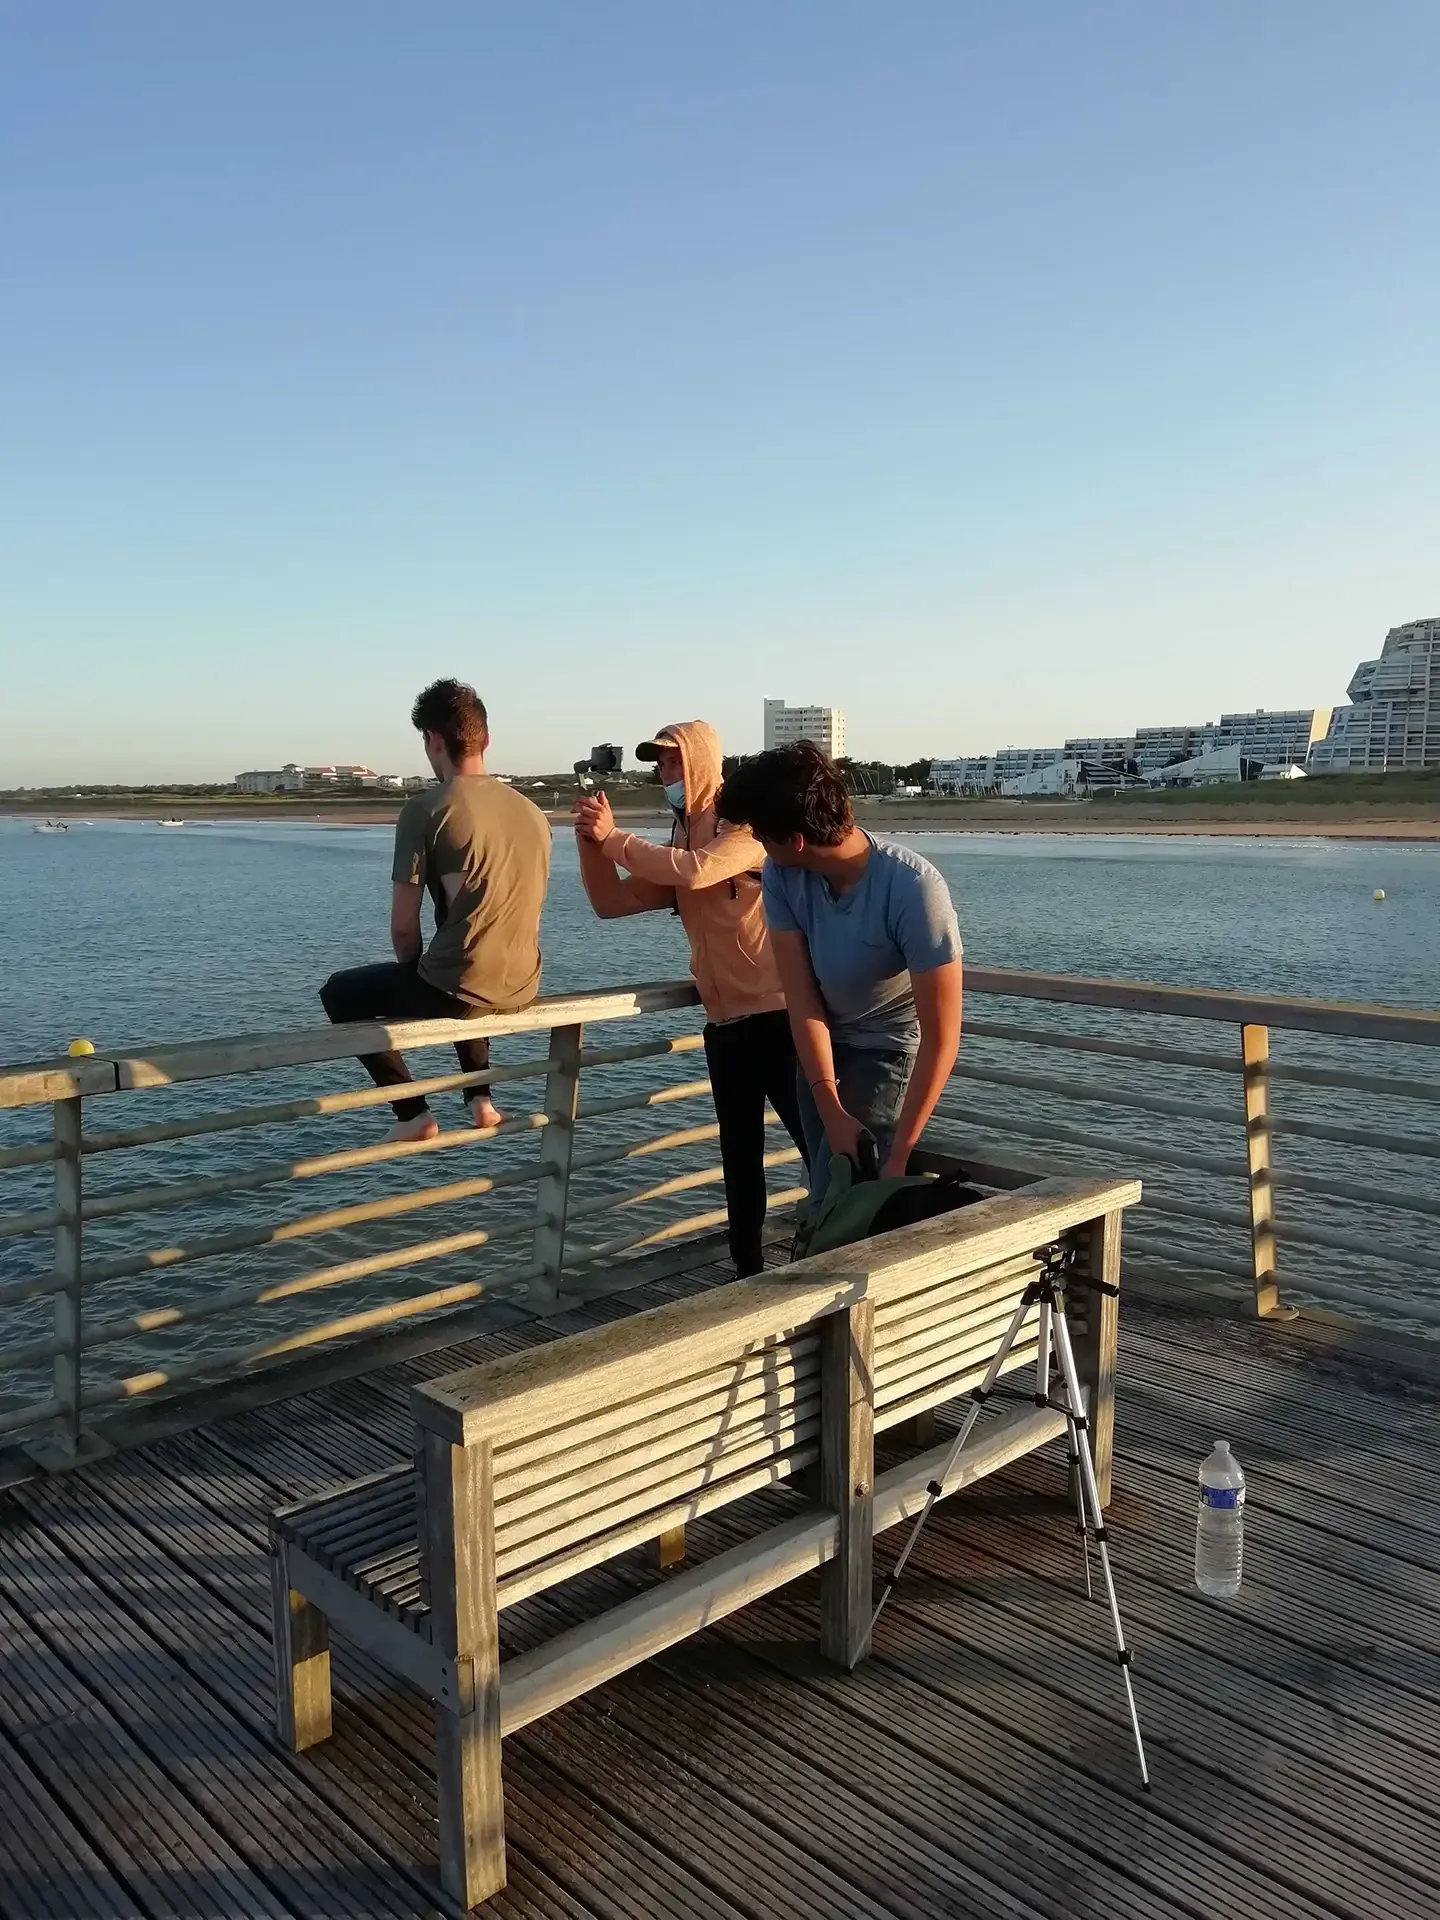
[[865, 944]]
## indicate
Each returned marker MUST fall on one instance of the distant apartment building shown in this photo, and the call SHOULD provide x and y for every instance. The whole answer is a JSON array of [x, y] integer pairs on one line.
[[1103, 756], [345, 777], [1282, 738], [1157, 747], [1392, 723], [987, 772], [824, 725]]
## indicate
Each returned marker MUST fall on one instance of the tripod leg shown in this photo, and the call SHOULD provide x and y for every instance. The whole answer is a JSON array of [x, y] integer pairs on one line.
[[1073, 1444], [1042, 1399], [1066, 1356], [978, 1396]]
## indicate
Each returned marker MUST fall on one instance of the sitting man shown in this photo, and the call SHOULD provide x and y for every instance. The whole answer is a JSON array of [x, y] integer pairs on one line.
[[711, 878], [869, 954], [482, 851]]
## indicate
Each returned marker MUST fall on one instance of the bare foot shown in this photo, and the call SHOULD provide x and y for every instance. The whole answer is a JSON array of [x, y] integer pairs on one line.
[[484, 1112], [423, 1127]]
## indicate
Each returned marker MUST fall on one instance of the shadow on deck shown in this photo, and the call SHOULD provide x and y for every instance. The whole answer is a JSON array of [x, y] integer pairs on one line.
[[978, 1764]]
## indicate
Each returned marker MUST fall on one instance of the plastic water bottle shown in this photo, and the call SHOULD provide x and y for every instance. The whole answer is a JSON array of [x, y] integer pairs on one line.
[[1220, 1528]]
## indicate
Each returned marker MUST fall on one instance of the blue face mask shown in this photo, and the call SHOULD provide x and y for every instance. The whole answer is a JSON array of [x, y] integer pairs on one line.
[[675, 794]]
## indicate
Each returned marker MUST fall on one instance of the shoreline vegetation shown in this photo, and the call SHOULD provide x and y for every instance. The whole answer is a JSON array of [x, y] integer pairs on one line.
[[1397, 806]]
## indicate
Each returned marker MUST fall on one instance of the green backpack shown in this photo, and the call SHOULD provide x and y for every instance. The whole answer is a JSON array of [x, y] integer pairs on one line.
[[857, 1204]]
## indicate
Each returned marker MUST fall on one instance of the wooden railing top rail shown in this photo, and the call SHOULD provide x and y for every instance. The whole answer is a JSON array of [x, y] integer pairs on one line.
[[41, 1082], [128, 1068], [1415, 1027], [502, 1400]]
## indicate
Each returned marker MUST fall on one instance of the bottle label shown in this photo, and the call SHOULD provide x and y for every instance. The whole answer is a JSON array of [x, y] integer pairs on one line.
[[1222, 1496]]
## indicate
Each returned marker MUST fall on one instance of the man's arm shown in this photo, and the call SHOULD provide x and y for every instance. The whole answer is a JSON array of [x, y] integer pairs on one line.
[[938, 1003], [733, 851], [612, 894], [811, 1031], [405, 921]]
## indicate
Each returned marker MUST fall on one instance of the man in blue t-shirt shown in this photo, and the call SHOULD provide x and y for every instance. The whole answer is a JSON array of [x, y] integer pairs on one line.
[[869, 954]]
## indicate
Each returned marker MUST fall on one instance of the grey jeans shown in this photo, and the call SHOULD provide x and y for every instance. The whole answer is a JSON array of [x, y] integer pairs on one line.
[[872, 1089]]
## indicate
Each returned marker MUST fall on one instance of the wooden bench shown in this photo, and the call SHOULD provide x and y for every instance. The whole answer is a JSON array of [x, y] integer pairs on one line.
[[540, 1465]]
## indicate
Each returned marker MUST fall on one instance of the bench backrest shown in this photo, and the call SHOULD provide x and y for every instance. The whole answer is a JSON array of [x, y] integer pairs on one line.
[[610, 1438]]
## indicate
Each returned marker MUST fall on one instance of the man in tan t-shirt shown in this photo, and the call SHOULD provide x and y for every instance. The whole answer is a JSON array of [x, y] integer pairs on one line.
[[482, 852]]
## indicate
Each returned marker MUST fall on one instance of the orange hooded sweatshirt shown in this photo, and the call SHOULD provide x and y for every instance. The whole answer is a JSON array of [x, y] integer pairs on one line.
[[710, 875]]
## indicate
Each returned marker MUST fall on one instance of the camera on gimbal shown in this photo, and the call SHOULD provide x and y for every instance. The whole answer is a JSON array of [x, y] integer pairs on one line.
[[604, 761]]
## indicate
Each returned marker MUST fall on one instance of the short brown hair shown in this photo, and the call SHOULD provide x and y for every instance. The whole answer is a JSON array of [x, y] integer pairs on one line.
[[457, 713], [789, 790]]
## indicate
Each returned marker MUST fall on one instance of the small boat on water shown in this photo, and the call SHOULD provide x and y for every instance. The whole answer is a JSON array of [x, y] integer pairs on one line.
[[170, 823], [51, 826]]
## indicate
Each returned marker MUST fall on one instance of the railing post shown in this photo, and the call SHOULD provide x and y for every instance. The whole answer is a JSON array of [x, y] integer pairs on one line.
[[1255, 1048], [557, 1146], [67, 1272]]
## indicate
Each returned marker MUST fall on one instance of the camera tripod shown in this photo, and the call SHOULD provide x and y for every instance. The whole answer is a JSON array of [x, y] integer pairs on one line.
[[1047, 1291]]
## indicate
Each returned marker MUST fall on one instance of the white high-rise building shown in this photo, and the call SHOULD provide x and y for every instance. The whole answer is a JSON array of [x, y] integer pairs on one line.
[[824, 725], [1393, 721]]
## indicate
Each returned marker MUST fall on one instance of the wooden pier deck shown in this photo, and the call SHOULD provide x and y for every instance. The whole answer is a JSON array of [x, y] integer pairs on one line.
[[978, 1764]]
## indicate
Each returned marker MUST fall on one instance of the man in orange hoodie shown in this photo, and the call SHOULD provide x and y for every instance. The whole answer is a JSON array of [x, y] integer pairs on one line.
[[710, 875]]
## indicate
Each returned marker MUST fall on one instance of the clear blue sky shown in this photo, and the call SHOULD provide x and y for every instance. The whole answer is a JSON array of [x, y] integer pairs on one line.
[[995, 371]]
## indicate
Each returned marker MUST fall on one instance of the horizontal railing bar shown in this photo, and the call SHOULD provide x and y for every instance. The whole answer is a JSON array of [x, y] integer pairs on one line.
[[1382, 1084], [1388, 1197], [43, 1082], [634, 1102], [134, 1386], [1364, 1245], [1097, 1043], [664, 1143], [1100, 1095], [13, 1225], [179, 1193], [1405, 1143], [14, 1419], [1146, 1246], [682, 1183], [14, 1291], [642, 1050], [674, 1230], [1425, 1313], [31, 1353], [609, 1156], [278, 1233], [235, 1299], [26, 1156], [1088, 1137], [1221, 1215], [1411, 1028], [170, 1064], [283, 1111]]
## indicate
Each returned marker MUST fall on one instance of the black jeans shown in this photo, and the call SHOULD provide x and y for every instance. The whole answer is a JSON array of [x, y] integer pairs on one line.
[[750, 1061], [394, 991]]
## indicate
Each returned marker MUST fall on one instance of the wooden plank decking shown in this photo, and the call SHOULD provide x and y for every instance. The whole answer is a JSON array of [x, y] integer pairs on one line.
[[979, 1764]]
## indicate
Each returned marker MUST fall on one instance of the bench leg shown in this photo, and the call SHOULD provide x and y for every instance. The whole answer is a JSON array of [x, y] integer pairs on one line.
[[464, 1628], [847, 1477], [302, 1661], [670, 1548], [921, 1431], [472, 1808]]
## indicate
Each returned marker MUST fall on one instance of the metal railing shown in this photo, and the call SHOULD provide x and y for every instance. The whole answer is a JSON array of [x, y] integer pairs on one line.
[[93, 1318], [96, 1262]]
